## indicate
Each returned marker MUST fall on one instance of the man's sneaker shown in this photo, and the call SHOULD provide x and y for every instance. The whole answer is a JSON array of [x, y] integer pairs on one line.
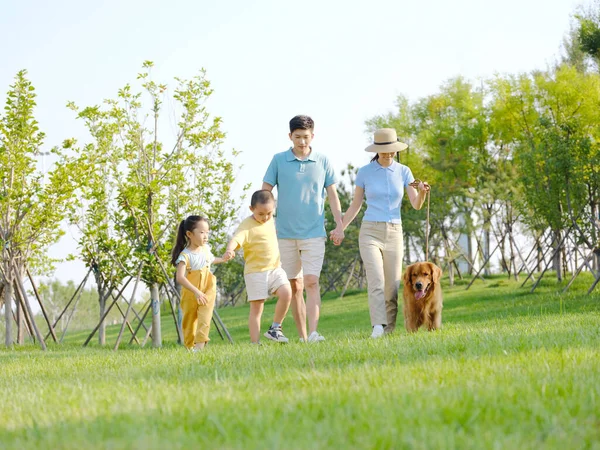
[[377, 332], [275, 334], [315, 337]]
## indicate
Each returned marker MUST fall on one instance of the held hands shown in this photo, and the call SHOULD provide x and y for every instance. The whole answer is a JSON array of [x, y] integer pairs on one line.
[[229, 254], [337, 235]]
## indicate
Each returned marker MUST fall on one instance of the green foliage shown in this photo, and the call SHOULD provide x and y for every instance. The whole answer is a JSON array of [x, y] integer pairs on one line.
[[553, 118], [31, 208], [145, 185]]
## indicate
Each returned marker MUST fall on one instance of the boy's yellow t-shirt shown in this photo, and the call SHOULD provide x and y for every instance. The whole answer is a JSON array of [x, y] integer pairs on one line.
[[259, 242]]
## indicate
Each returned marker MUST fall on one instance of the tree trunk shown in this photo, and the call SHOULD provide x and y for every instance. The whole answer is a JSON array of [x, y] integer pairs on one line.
[[20, 325], [486, 251], [8, 293], [540, 255], [557, 260], [155, 300], [513, 257], [470, 253], [102, 305]]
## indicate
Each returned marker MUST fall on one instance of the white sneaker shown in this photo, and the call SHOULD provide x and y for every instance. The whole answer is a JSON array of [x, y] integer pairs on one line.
[[315, 337], [377, 332]]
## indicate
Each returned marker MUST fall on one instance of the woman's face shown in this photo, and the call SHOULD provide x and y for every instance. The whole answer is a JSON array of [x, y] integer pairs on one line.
[[385, 159]]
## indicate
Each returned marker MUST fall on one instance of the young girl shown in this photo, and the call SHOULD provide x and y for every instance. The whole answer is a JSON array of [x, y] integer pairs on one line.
[[192, 257]]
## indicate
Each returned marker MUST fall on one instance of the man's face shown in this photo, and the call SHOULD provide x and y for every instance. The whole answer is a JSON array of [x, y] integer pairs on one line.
[[302, 139], [263, 212]]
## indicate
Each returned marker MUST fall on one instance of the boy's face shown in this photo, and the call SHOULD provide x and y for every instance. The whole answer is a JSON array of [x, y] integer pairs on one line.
[[302, 139], [263, 212]]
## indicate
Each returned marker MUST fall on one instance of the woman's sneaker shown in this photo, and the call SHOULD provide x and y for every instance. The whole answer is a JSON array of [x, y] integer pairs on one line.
[[275, 334], [377, 332], [315, 337]]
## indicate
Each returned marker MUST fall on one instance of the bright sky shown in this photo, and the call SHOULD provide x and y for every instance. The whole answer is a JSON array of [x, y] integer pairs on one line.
[[340, 62]]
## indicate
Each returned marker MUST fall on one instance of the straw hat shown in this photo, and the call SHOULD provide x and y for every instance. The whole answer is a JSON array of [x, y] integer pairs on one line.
[[385, 140]]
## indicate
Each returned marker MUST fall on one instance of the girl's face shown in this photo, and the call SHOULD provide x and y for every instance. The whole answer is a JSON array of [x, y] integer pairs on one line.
[[199, 235], [385, 159]]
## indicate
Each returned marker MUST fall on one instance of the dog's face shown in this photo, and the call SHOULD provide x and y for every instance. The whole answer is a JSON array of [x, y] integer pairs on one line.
[[421, 277]]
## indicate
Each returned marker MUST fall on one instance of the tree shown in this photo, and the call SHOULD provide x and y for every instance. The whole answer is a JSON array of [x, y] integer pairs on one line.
[[31, 210], [159, 183], [587, 32], [553, 118]]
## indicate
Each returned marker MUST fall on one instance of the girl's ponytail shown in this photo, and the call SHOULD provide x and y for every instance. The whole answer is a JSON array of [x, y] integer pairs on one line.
[[180, 242]]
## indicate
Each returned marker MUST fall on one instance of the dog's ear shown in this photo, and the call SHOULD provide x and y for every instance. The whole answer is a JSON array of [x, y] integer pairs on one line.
[[406, 277], [436, 271]]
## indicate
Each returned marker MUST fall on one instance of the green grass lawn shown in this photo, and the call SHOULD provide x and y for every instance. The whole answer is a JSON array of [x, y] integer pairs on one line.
[[509, 370]]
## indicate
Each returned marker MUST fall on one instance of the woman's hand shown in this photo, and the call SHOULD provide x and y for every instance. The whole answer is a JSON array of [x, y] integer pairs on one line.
[[423, 186], [337, 235]]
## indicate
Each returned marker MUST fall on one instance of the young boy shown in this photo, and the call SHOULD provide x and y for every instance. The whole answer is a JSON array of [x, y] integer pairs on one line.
[[262, 272]]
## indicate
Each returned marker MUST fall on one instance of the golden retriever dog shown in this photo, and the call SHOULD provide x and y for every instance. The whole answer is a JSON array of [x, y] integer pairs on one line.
[[422, 296]]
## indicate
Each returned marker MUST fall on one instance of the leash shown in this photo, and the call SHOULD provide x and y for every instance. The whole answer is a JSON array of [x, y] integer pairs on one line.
[[415, 184]]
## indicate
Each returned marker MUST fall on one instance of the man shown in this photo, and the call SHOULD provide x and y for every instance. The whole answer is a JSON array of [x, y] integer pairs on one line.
[[302, 177]]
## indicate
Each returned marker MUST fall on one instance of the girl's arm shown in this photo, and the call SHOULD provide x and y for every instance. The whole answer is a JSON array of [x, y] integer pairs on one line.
[[229, 251], [184, 282], [417, 198], [354, 208]]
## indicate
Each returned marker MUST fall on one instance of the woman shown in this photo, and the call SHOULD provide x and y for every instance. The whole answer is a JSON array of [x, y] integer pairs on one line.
[[383, 181]]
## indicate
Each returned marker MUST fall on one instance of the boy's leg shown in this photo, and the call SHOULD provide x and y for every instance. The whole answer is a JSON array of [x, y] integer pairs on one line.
[[256, 309], [257, 289], [284, 298], [312, 252]]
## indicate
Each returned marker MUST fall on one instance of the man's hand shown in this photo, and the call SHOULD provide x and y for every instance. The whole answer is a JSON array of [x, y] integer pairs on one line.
[[337, 235]]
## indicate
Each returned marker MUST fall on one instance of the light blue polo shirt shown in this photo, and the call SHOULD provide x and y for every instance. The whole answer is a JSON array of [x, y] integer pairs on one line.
[[300, 193], [384, 189]]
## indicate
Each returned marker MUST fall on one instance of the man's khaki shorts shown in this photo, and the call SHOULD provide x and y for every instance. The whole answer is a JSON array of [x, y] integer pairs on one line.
[[302, 256]]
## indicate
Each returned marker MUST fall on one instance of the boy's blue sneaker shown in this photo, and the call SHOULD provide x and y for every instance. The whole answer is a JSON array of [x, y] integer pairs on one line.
[[275, 334]]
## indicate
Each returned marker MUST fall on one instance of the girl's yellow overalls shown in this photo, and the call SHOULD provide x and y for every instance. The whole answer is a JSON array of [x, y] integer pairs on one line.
[[196, 317]]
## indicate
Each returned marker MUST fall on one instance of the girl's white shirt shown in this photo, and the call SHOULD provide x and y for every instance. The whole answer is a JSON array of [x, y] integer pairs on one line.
[[198, 259]]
